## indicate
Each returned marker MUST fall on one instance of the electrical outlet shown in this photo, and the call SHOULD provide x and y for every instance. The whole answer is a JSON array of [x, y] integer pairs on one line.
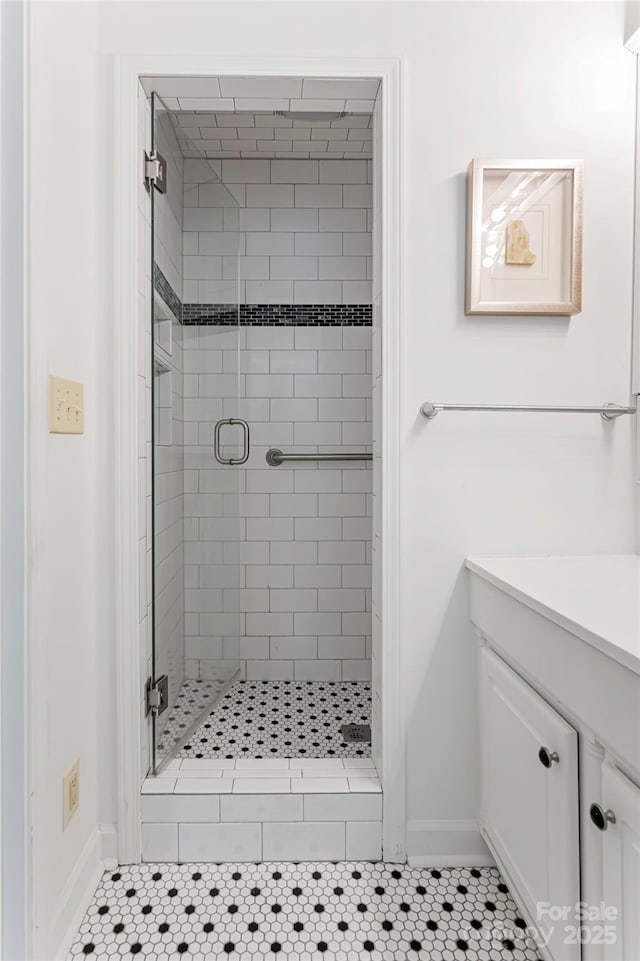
[[70, 793], [66, 406]]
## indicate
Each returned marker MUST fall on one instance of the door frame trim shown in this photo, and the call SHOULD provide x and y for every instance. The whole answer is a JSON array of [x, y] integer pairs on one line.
[[20, 751], [128, 70]]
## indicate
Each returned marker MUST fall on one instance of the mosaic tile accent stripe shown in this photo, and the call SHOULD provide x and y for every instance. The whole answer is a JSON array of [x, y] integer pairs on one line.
[[279, 315], [166, 291], [262, 315]]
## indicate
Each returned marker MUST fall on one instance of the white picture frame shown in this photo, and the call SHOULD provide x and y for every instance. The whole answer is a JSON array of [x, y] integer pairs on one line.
[[524, 237]]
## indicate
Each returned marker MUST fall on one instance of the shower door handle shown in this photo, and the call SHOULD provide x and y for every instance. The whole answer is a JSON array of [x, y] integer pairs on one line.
[[231, 461]]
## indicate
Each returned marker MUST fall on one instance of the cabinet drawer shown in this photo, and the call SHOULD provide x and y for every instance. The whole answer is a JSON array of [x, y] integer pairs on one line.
[[529, 795]]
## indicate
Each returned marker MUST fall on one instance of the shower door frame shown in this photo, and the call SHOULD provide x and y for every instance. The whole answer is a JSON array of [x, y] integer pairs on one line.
[[127, 171]]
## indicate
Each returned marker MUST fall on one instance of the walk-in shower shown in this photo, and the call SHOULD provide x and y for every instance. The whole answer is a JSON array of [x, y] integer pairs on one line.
[[261, 442]]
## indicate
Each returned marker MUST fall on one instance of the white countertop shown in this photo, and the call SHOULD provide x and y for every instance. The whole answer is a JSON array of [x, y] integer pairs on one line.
[[596, 597]]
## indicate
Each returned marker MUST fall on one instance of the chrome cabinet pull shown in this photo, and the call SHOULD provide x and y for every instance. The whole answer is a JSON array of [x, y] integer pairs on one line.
[[246, 447], [601, 818], [547, 757]]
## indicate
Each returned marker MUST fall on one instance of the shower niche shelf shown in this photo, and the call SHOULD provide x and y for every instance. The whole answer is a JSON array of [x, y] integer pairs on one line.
[[163, 319]]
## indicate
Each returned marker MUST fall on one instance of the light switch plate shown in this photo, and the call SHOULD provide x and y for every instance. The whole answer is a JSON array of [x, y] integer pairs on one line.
[[70, 793], [66, 406]]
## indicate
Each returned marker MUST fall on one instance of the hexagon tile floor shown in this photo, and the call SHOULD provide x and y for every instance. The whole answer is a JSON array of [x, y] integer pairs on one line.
[[260, 719], [344, 912]]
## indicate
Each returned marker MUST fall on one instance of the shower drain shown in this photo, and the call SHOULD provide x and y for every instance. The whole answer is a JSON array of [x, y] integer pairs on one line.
[[356, 733]]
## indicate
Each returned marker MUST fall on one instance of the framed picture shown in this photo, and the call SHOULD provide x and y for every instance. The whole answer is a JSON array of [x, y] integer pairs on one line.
[[524, 237]]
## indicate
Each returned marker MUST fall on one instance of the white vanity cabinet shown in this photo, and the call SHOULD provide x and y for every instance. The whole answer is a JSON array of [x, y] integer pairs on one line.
[[529, 793], [621, 860], [559, 675]]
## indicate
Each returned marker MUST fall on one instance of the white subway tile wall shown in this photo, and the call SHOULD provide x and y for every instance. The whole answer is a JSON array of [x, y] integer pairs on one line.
[[304, 597], [302, 238]]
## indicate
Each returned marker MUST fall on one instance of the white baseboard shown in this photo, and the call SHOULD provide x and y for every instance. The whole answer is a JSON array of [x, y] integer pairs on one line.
[[76, 896], [440, 844], [109, 846]]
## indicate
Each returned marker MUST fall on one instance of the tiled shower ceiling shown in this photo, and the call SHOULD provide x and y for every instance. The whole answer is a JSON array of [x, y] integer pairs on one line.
[[239, 116], [268, 135]]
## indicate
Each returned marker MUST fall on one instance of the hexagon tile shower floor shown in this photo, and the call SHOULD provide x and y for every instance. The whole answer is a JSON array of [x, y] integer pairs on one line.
[[259, 719], [343, 912]]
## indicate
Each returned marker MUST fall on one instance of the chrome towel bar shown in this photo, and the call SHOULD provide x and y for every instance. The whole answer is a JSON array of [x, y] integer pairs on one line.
[[607, 411], [275, 457]]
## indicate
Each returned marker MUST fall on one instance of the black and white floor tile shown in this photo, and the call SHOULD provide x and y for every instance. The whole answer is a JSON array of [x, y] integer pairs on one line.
[[193, 698], [284, 719], [343, 912]]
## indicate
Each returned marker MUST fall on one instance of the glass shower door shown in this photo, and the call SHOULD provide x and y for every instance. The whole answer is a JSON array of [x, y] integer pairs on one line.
[[198, 442]]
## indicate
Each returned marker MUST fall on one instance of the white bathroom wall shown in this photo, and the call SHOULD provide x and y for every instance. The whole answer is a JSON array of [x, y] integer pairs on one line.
[[304, 237], [14, 585], [556, 82], [69, 484]]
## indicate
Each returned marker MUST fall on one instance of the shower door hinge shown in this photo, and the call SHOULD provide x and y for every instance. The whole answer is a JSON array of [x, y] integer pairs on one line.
[[155, 171], [157, 695]]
